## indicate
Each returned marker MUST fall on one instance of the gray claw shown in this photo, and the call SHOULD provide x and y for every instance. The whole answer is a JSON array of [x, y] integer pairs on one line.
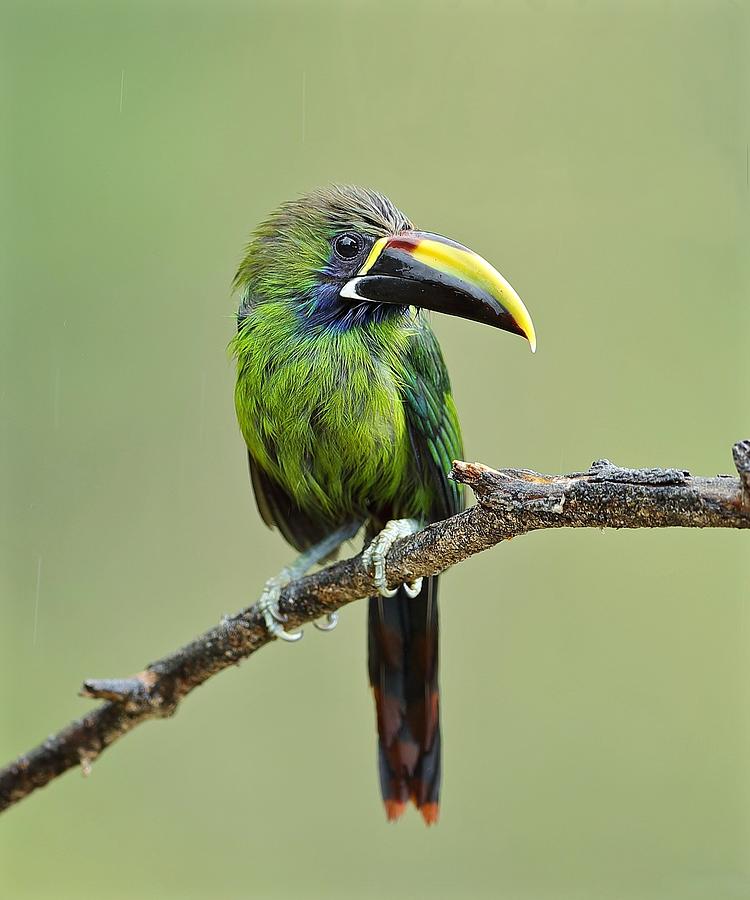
[[332, 620], [278, 632], [414, 589]]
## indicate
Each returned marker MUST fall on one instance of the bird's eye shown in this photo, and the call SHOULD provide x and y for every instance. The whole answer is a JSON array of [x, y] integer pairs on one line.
[[348, 246]]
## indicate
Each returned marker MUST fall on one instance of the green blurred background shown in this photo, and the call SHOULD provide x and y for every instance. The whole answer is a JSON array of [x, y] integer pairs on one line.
[[596, 687]]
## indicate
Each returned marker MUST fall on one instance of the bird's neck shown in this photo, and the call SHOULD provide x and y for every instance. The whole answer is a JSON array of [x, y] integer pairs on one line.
[[279, 333]]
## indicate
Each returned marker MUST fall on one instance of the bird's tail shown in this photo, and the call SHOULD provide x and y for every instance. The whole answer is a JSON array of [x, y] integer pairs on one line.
[[403, 667]]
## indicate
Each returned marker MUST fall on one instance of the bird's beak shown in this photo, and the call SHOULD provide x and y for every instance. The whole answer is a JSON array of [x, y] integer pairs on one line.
[[418, 268]]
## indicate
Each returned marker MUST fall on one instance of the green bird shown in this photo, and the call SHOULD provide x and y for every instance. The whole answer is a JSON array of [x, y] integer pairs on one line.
[[345, 405]]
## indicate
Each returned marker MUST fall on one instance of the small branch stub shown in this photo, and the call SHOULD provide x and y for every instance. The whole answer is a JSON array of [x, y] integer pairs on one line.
[[741, 454], [119, 690]]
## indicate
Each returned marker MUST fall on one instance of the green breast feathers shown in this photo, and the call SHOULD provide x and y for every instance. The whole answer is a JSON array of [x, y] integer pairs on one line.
[[323, 413]]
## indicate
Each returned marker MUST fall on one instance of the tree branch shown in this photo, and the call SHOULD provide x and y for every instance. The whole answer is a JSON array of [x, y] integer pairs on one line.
[[510, 502]]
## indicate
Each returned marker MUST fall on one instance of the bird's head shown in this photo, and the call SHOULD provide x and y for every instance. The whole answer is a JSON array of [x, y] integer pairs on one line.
[[345, 256]]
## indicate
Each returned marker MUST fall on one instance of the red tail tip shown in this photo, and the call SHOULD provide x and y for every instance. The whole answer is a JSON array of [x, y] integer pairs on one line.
[[394, 809], [430, 813]]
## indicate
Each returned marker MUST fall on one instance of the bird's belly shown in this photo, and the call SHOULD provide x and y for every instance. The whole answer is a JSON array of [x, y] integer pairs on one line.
[[360, 465], [337, 450]]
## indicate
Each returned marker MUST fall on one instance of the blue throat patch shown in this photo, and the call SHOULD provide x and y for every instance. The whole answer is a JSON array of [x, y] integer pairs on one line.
[[324, 308]]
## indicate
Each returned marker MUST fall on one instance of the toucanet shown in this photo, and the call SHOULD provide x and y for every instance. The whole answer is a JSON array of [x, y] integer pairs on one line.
[[345, 405]]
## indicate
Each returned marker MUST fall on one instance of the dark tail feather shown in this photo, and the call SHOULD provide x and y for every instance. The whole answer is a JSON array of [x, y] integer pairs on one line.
[[403, 667]]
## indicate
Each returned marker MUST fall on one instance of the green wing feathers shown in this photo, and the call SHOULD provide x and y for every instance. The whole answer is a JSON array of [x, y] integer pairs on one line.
[[433, 425]]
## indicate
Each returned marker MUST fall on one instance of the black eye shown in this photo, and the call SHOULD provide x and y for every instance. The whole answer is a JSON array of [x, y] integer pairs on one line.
[[348, 246]]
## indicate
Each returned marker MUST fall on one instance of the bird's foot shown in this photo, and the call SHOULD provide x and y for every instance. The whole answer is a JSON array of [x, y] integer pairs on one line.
[[269, 607], [375, 555]]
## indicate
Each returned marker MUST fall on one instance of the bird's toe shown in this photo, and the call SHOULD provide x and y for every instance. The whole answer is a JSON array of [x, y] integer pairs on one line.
[[273, 618], [330, 622], [374, 557]]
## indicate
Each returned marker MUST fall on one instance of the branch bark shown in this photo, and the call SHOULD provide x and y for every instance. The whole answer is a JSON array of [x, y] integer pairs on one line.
[[510, 502]]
